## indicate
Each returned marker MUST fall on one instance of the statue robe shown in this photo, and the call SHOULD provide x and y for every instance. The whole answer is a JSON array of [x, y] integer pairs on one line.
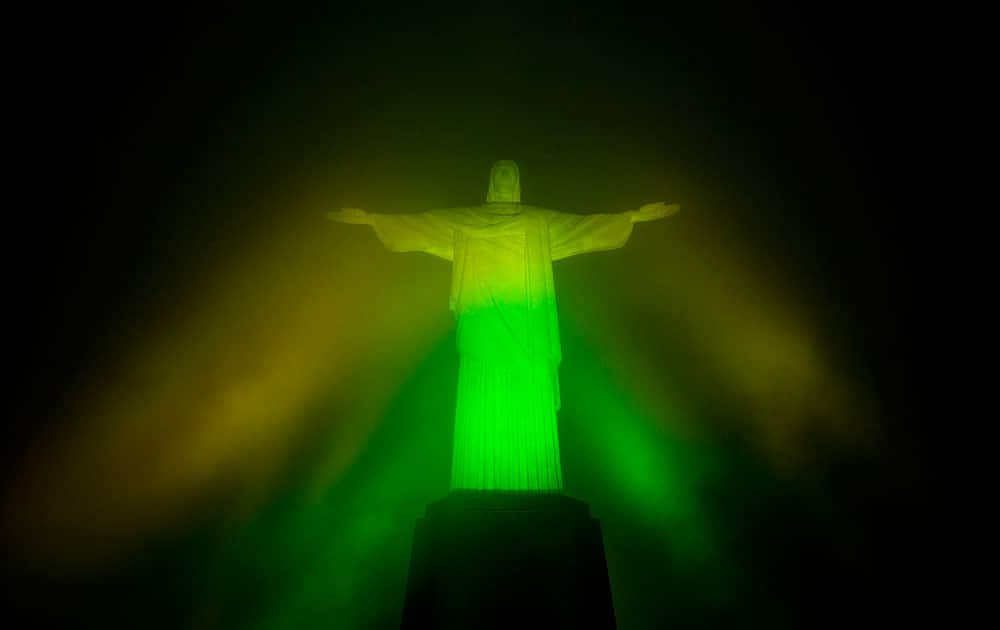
[[503, 299]]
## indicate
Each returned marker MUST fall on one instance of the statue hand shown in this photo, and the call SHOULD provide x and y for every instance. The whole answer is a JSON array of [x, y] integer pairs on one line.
[[349, 215], [654, 211]]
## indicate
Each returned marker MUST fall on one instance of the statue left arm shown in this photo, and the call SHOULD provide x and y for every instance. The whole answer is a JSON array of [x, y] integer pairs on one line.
[[572, 234]]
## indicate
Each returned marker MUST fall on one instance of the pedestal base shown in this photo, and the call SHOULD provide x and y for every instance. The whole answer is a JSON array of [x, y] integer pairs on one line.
[[508, 560]]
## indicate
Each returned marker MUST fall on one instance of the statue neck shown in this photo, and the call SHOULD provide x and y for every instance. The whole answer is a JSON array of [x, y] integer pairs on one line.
[[503, 207]]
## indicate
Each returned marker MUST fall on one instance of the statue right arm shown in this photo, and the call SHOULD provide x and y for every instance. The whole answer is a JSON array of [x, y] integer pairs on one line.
[[431, 232]]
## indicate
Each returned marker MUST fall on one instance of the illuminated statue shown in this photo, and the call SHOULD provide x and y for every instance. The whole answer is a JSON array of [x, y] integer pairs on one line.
[[508, 338]]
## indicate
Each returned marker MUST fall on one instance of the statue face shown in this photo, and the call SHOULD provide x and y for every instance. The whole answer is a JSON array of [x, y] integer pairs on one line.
[[505, 184], [504, 179]]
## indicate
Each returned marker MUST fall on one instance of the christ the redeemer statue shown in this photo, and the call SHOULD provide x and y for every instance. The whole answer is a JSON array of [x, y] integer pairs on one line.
[[503, 298]]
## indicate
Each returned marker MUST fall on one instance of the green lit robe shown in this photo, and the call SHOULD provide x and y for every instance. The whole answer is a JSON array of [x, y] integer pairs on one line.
[[504, 301]]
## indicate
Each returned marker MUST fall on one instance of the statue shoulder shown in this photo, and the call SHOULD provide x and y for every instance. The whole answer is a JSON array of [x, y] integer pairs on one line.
[[457, 215]]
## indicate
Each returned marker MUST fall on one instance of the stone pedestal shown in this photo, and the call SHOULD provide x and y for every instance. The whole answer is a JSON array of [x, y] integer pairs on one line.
[[508, 560]]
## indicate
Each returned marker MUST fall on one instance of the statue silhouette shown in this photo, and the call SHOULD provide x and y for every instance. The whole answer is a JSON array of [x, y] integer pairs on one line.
[[503, 299]]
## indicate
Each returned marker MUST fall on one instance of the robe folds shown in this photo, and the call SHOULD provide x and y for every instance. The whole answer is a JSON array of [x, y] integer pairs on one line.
[[503, 298]]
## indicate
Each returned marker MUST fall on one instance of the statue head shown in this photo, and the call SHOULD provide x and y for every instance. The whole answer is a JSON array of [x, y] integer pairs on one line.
[[505, 183]]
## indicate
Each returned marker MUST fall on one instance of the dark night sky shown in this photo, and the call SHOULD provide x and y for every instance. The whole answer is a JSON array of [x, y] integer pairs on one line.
[[138, 113], [134, 113]]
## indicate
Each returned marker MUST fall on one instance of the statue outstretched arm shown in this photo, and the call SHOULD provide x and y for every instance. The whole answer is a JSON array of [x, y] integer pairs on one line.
[[654, 211], [350, 215], [572, 234], [431, 232]]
